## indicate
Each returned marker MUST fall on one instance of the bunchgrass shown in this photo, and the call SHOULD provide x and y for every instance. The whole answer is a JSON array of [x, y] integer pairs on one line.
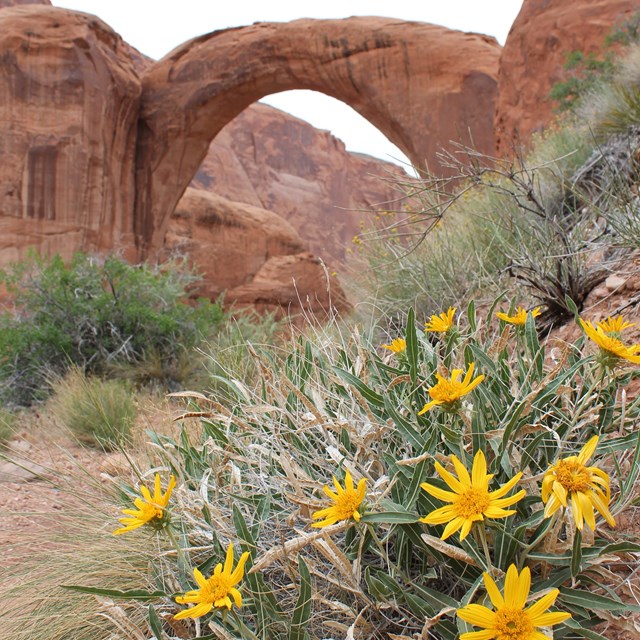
[[98, 412]]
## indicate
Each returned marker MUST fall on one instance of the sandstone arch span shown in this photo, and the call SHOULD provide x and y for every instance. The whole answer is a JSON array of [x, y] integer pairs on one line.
[[420, 84]]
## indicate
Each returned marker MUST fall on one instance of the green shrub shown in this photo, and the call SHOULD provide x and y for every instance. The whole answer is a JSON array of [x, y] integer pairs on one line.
[[95, 314], [98, 412]]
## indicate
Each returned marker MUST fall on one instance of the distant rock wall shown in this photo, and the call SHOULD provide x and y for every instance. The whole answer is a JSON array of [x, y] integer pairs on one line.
[[534, 54], [68, 127]]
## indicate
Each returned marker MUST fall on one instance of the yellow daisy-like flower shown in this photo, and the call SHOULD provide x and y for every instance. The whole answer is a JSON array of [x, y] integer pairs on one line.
[[615, 325], [346, 502], [447, 392], [398, 345], [470, 498], [510, 620], [151, 509], [216, 591], [519, 318], [612, 349], [441, 323], [585, 487]]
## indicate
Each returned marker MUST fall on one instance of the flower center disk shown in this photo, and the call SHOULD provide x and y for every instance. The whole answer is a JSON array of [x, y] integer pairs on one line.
[[573, 476], [472, 502], [513, 624]]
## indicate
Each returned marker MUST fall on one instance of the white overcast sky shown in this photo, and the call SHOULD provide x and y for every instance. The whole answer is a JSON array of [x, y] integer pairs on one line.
[[155, 27]]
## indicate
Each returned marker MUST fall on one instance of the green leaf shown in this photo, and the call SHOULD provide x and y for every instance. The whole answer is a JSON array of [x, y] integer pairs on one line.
[[585, 633], [390, 517], [536, 352], [131, 594], [408, 430], [471, 315], [591, 601], [412, 345], [572, 307], [155, 623], [576, 554], [302, 610], [369, 394]]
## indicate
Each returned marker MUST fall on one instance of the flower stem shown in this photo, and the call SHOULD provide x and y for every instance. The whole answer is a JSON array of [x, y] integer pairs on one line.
[[482, 534]]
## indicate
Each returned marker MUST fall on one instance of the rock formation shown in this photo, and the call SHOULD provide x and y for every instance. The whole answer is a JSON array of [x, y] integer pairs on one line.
[[68, 117], [420, 84], [272, 160], [534, 54]]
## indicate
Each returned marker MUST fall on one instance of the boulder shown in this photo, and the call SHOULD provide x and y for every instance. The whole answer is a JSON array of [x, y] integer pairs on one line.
[[227, 242]]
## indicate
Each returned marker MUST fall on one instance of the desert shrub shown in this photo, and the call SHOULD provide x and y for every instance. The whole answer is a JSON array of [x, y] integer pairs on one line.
[[327, 410], [96, 314], [585, 73], [98, 412]]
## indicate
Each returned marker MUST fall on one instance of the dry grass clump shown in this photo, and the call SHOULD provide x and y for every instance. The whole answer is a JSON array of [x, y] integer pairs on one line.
[[98, 412]]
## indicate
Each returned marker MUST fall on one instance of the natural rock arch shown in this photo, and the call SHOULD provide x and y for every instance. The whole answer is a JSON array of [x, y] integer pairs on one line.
[[420, 84]]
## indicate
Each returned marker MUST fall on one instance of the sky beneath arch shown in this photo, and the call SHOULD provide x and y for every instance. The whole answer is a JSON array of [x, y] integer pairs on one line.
[[155, 27]]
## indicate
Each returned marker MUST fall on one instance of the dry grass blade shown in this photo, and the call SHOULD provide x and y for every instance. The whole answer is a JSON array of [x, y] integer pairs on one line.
[[294, 545]]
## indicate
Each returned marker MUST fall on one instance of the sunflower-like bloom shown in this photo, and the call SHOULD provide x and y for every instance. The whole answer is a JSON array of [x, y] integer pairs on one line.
[[510, 620], [215, 591], [151, 509], [585, 487], [615, 325], [346, 502], [470, 498], [398, 345], [519, 318], [441, 323], [447, 392], [612, 349]]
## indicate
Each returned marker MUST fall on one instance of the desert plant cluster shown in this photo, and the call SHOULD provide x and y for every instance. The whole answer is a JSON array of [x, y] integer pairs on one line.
[[442, 464]]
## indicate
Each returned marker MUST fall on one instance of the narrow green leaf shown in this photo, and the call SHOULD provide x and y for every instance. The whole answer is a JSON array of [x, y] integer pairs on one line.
[[369, 394], [155, 623], [536, 352], [390, 517], [572, 306], [412, 345], [302, 610], [471, 315], [406, 428], [576, 554], [591, 601], [585, 633]]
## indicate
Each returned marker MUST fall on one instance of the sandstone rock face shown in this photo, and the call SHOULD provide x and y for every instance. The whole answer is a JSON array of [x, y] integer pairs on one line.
[[68, 114], [227, 241], [420, 84], [534, 54], [14, 3], [272, 160]]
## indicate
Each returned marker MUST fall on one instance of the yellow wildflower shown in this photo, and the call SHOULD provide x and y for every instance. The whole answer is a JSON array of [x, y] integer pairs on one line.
[[612, 349], [519, 318], [615, 325], [448, 391], [510, 620], [346, 502], [441, 323], [470, 498], [398, 345], [215, 591], [150, 510], [570, 479]]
